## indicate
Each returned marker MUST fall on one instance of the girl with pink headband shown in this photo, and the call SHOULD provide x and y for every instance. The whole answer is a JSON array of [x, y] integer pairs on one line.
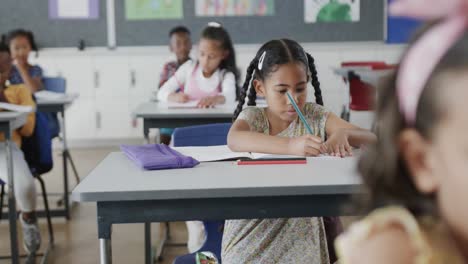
[[416, 175]]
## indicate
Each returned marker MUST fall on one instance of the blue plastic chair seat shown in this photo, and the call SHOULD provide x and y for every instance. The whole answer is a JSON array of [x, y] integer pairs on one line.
[[204, 135]]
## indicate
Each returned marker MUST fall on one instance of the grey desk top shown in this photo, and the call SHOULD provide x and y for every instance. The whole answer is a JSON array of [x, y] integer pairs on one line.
[[16, 118], [116, 178], [160, 110], [67, 99]]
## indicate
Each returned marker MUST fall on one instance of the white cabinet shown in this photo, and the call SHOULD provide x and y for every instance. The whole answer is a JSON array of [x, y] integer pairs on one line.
[[144, 79], [113, 119], [81, 120], [111, 77]]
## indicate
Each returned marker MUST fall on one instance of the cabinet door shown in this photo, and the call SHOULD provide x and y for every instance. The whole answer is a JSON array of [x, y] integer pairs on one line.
[[114, 119], [144, 74], [80, 120], [77, 70], [111, 77]]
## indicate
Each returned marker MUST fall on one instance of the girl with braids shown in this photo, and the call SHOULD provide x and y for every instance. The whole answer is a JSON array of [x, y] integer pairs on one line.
[[212, 79], [282, 66], [21, 43], [416, 175]]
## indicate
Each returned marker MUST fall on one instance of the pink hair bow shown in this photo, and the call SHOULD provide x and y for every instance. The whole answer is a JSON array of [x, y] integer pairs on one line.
[[423, 56]]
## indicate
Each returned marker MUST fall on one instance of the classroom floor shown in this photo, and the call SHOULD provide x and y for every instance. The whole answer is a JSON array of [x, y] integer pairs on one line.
[[76, 240]]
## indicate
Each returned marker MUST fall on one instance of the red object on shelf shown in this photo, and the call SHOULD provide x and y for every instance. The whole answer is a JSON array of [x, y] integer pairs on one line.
[[362, 95]]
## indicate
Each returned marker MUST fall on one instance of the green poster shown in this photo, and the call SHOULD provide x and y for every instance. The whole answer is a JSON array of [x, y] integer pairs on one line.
[[153, 9]]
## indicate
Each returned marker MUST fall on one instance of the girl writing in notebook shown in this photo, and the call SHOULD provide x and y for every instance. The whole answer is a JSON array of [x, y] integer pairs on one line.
[[416, 175], [21, 43], [282, 66], [211, 79]]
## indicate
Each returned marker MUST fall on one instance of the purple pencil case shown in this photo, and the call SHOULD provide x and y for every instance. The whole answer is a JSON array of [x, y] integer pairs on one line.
[[158, 157]]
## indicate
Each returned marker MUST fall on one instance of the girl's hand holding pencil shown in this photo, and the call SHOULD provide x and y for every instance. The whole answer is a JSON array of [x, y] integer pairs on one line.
[[307, 145]]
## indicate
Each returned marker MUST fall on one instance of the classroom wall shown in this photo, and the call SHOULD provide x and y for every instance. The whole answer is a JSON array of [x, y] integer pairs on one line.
[[112, 83]]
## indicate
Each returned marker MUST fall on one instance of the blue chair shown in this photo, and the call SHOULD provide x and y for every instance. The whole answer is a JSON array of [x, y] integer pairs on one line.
[[204, 135], [57, 85]]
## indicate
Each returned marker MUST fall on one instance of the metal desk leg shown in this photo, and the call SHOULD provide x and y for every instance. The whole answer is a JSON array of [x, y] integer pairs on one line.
[[65, 168], [11, 204], [104, 235], [146, 131], [148, 249], [105, 251]]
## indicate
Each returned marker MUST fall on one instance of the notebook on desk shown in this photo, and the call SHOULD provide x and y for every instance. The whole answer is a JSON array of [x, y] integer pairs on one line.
[[223, 153]]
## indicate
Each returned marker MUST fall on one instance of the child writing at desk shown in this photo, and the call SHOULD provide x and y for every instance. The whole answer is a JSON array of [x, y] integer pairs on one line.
[[210, 80], [281, 67], [180, 44], [21, 43], [416, 175], [25, 189]]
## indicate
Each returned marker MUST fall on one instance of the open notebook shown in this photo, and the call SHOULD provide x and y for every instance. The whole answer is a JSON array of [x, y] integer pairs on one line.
[[220, 153]]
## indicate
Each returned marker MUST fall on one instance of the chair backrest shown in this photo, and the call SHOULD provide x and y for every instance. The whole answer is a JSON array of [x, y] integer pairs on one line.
[[203, 135], [58, 85], [55, 84], [37, 148]]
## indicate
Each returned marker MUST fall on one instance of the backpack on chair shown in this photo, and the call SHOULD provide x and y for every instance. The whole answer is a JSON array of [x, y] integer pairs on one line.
[[37, 148]]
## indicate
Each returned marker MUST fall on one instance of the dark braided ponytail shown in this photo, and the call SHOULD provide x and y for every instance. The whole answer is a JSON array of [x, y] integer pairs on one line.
[[243, 92], [314, 79]]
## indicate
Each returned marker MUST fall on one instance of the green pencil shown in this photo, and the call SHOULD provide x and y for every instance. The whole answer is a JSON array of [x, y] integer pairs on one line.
[[301, 116]]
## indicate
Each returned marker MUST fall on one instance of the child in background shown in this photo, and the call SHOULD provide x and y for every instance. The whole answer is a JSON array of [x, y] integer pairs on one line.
[[25, 189], [210, 80], [21, 43], [179, 44], [417, 173], [282, 66]]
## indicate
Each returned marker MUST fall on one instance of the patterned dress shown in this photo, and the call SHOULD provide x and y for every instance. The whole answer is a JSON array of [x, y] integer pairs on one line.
[[429, 238], [34, 71], [292, 240]]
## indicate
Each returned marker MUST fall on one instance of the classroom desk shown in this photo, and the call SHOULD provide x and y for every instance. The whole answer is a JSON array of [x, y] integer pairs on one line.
[[59, 106], [124, 193], [9, 121], [158, 115]]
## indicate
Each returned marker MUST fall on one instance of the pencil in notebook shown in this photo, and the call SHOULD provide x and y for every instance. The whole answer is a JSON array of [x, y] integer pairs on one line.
[[299, 113]]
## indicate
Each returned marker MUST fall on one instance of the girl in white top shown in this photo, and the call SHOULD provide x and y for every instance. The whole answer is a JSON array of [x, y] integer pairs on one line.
[[211, 79]]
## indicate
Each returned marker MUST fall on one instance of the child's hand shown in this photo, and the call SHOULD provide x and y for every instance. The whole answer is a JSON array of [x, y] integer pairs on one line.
[[208, 102], [21, 63], [337, 145], [179, 97], [306, 145]]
